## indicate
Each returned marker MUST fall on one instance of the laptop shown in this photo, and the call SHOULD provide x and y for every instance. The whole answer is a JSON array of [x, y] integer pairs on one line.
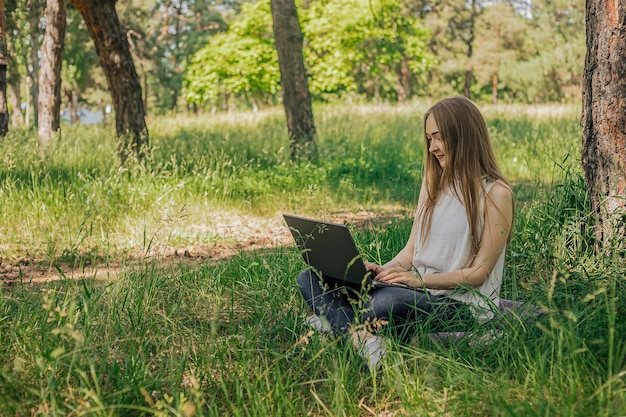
[[329, 249]]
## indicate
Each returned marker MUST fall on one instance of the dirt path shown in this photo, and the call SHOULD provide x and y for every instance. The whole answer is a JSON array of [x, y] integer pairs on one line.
[[238, 234]]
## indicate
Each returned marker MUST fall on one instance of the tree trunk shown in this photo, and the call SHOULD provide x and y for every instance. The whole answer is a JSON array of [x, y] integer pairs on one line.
[[71, 94], [403, 81], [467, 84], [34, 18], [4, 108], [116, 60], [15, 99], [469, 43], [50, 74], [14, 78], [604, 118], [494, 88], [295, 87]]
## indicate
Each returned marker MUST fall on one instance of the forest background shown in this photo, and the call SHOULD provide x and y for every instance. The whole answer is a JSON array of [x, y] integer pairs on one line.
[[200, 55]]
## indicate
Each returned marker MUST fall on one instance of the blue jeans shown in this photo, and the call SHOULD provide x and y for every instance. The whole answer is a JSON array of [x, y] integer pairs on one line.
[[406, 310]]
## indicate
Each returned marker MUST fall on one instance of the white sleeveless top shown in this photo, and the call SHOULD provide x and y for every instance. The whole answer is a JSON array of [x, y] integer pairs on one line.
[[449, 247]]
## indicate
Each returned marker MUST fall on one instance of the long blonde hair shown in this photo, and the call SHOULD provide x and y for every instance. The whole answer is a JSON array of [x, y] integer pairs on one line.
[[469, 160]]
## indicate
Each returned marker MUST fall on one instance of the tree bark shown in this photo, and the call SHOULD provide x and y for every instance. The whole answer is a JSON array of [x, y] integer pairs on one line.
[[14, 78], [50, 74], [15, 99], [604, 117], [469, 43], [116, 60], [294, 84], [403, 81], [34, 18], [4, 108], [71, 94]]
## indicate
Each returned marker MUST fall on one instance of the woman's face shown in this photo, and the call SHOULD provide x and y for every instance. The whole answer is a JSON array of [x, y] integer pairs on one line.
[[435, 144]]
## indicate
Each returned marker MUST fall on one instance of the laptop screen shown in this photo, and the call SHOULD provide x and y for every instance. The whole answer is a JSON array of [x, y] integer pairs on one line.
[[328, 248]]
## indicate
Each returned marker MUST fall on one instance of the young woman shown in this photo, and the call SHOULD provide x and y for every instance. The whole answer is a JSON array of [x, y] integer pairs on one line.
[[455, 253]]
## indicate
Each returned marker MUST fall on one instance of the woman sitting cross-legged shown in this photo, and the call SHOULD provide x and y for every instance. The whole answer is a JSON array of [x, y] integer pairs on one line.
[[454, 254]]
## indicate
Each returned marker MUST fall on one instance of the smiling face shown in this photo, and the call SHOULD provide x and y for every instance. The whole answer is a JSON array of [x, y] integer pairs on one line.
[[435, 145]]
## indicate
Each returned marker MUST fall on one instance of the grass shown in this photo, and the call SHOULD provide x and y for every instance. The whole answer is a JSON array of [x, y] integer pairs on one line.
[[226, 338]]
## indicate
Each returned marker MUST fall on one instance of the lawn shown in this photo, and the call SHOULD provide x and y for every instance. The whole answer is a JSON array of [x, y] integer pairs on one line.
[[198, 313]]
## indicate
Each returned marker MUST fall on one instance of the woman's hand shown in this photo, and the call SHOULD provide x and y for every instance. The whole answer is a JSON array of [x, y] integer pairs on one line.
[[375, 269], [400, 276]]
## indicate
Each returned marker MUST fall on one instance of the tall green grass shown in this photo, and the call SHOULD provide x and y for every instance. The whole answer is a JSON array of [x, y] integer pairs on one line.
[[226, 338]]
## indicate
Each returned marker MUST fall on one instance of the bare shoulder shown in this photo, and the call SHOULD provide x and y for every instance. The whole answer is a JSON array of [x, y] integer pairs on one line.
[[500, 195], [500, 190]]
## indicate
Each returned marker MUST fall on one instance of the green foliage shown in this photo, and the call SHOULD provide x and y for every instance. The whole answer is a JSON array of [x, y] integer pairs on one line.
[[163, 35], [81, 71], [390, 50], [215, 55], [552, 67], [360, 46], [241, 62], [357, 46]]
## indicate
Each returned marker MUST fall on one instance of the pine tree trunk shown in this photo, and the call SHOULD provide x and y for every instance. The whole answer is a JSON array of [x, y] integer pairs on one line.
[[15, 99], [4, 108], [71, 96], [50, 73], [494, 88], [403, 81], [14, 79], [469, 43], [34, 18], [604, 117], [295, 87], [116, 60]]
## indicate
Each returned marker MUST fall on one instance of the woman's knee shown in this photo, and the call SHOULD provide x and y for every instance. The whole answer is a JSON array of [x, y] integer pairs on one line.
[[393, 302], [308, 282], [382, 301], [305, 278]]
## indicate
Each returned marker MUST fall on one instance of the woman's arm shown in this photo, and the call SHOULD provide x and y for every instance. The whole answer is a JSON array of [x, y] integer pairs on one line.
[[498, 223]]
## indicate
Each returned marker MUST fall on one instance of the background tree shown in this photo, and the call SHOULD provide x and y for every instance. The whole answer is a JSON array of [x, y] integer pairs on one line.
[[173, 33], [238, 65], [50, 75], [15, 45], [453, 25], [548, 68], [83, 82], [294, 84], [34, 23], [4, 109], [111, 42], [373, 48], [500, 40], [604, 116]]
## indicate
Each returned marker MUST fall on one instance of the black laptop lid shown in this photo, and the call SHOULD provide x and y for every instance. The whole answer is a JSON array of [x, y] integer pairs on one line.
[[329, 249]]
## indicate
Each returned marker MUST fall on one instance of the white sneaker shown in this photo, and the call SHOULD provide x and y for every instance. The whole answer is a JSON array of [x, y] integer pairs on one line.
[[373, 352], [318, 324]]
